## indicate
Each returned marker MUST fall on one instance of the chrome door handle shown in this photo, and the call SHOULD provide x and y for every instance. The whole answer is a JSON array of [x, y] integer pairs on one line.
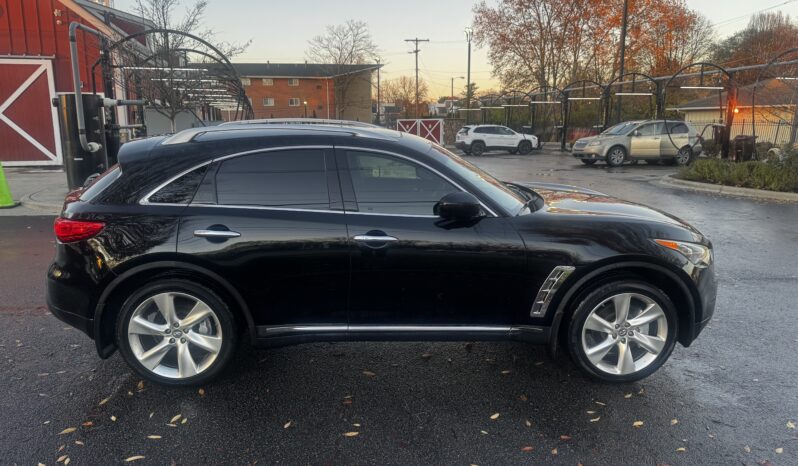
[[374, 238], [216, 234]]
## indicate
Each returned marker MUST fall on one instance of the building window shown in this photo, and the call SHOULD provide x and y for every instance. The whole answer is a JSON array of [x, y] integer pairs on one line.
[[293, 102], [268, 102], [268, 82], [293, 82], [245, 81]]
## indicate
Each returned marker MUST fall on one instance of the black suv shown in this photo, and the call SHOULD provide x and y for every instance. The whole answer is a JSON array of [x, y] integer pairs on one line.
[[298, 232]]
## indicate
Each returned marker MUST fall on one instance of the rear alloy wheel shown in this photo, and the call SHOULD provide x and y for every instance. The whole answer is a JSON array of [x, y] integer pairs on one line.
[[478, 148], [524, 147], [684, 156], [176, 333], [622, 331], [588, 161], [616, 156]]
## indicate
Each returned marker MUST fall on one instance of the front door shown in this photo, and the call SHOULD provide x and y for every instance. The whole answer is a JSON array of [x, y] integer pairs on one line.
[[410, 267], [645, 141], [272, 225]]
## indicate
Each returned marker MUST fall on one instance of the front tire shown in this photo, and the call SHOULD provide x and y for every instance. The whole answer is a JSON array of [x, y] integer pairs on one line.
[[616, 156], [175, 332], [524, 147], [622, 331]]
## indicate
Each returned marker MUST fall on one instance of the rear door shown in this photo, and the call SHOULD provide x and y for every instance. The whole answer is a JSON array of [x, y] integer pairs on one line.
[[669, 146], [272, 224], [645, 141]]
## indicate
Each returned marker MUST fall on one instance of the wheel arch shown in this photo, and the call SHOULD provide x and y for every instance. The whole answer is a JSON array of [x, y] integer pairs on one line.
[[625, 150], [111, 299], [653, 273]]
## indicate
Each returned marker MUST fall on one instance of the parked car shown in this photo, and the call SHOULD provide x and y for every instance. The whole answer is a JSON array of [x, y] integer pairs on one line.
[[285, 234], [674, 142], [478, 139]]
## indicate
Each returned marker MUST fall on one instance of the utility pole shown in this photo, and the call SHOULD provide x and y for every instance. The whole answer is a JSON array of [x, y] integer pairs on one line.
[[379, 122], [469, 33], [622, 54], [452, 90], [415, 51]]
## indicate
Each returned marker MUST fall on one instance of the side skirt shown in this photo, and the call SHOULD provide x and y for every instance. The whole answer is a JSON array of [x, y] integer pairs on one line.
[[272, 336]]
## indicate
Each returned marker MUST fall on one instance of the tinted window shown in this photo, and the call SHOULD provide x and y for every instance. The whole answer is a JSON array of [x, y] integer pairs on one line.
[[291, 179], [677, 128], [100, 183], [181, 190], [390, 185], [484, 130]]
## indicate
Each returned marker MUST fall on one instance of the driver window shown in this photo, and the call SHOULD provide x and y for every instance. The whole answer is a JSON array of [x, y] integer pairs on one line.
[[384, 184]]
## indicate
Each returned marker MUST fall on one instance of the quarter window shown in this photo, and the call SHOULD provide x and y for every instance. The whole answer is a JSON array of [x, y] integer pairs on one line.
[[289, 179], [181, 190], [389, 185]]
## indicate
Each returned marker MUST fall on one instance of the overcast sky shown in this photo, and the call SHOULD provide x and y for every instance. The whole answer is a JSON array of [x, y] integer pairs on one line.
[[280, 30]]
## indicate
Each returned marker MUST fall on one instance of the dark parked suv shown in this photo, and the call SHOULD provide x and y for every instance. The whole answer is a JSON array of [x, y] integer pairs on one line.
[[293, 233]]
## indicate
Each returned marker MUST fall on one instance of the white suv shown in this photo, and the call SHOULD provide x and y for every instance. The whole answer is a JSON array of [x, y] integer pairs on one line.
[[477, 139]]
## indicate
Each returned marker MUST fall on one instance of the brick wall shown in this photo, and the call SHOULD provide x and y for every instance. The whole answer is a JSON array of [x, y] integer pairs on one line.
[[310, 90]]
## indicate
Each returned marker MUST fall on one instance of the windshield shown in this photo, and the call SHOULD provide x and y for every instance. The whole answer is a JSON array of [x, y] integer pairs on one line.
[[620, 128], [510, 200]]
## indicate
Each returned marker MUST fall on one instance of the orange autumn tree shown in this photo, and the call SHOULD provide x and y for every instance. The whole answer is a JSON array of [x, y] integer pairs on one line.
[[553, 42]]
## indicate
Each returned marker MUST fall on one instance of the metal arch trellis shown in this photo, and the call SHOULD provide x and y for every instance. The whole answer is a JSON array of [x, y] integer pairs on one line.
[[583, 85], [731, 100], [776, 60], [552, 98], [219, 68], [655, 109]]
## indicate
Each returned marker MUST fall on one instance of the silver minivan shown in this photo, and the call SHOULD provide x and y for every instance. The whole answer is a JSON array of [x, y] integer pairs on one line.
[[674, 142]]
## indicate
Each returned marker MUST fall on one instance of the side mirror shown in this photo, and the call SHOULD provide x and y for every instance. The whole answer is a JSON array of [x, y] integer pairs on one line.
[[458, 206], [636, 133]]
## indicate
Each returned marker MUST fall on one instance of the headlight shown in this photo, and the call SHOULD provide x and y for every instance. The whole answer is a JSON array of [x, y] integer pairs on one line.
[[594, 143], [699, 255]]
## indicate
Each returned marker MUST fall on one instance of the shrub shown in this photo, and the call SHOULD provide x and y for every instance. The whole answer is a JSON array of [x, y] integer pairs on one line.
[[771, 174]]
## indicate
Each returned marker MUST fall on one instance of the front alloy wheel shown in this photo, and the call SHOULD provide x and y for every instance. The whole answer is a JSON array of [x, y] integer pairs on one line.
[[616, 156], [623, 332], [175, 334], [684, 156]]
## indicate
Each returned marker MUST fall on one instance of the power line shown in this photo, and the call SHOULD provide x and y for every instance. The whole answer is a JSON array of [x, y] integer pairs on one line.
[[737, 18], [415, 51]]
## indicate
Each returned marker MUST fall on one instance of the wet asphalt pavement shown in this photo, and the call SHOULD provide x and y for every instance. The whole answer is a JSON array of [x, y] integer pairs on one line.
[[728, 399]]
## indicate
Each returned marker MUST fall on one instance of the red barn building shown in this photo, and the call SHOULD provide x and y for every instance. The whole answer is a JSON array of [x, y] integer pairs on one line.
[[35, 67]]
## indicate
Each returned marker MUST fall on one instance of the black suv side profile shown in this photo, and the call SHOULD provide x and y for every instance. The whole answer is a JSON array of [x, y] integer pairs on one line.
[[293, 233]]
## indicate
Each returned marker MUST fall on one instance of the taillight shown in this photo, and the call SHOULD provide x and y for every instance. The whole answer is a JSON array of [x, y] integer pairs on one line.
[[68, 231]]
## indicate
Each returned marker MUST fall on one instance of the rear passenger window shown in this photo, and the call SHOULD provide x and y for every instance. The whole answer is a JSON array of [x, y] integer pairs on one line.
[[181, 190], [677, 128], [288, 179], [389, 185]]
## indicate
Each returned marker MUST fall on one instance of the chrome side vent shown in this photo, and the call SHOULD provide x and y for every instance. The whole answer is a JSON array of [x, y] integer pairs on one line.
[[549, 289]]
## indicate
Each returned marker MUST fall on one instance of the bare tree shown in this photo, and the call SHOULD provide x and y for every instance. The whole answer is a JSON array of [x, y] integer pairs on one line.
[[339, 47], [402, 91], [169, 75]]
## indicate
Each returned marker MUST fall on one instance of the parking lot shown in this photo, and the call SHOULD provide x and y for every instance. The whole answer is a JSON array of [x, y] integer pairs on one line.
[[728, 399]]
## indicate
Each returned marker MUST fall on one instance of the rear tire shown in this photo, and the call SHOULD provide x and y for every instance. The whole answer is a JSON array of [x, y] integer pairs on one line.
[[622, 331], [616, 156], [683, 157], [478, 148], [176, 332]]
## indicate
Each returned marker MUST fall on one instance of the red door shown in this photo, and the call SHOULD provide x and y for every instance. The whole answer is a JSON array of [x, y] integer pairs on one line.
[[28, 120]]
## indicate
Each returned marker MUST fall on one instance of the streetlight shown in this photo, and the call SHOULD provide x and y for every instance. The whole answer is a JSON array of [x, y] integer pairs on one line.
[[306, 107], [469, 33], [452, 94]]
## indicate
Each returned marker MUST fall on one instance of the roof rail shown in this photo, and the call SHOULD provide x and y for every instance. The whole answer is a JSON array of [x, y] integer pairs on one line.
[[299, 121]]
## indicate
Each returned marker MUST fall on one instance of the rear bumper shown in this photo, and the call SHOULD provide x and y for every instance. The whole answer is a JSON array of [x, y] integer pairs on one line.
[[79, 322], [68, 301]]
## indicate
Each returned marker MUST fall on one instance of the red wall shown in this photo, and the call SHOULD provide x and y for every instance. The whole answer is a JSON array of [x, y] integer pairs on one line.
[[40, 28]]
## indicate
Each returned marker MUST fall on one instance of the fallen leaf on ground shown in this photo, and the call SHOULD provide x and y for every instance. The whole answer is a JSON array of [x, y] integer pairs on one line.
[[351, 434], [113, 418], [595, 419], [347, 402], [681, 449], [591, 412], [152, 414], [523, 398], [674, 422], [154, 437], [78, 442], [483, 432], [426, 356], [565, 438], [87, 424], [642, 391], [528, 423], [369, 373], [638, 424], [61, 448], [201, 392], [61, 458], [747, 449], [185, 419], [528, 448], [103, 401], [627, 396], [356, 425], [553, 451], [287, 425], [174, 419], [600, 403], [68, 430], [790, 425], [495, 416], [140, 385], [779, 450], [134, 458], [66, 461]]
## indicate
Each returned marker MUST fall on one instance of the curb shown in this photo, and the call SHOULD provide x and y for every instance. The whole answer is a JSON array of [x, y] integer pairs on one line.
[[669, 180]]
